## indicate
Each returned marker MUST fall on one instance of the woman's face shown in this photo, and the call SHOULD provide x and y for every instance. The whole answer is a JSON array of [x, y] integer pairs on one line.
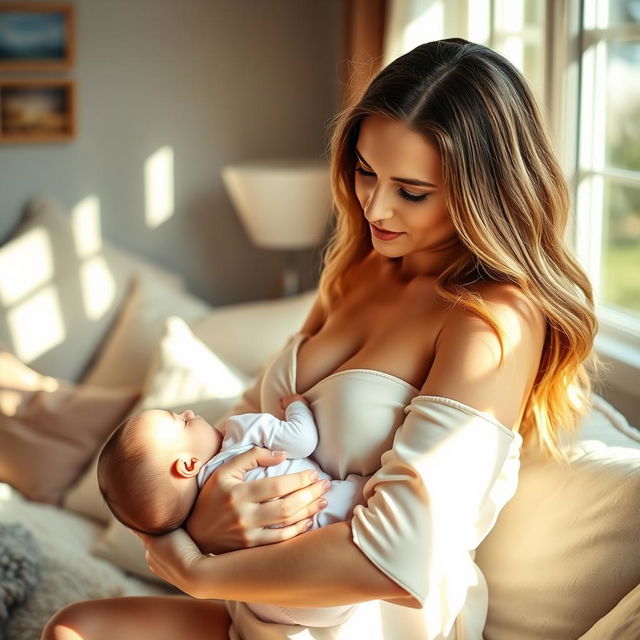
[[398, 182]]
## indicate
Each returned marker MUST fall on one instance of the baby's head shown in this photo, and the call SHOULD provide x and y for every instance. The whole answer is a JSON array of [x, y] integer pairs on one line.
[[147, 468]]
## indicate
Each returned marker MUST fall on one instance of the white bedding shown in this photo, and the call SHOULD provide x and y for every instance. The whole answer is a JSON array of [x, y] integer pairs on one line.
[[69, 572]]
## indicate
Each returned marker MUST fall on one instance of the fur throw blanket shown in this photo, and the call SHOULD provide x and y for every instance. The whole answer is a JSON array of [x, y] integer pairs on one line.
[[19, 568]]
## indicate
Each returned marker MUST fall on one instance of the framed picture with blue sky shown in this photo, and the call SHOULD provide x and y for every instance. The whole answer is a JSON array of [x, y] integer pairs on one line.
[[36, 36]]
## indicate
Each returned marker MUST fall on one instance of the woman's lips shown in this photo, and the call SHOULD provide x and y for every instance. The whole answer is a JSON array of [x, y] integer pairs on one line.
[[381, 234]]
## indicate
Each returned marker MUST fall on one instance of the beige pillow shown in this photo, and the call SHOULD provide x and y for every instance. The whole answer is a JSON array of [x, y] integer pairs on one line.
[[126, 355], [248, 334], [49, 429], [620, 623], [58, 267], [184, 374], [565, 549]]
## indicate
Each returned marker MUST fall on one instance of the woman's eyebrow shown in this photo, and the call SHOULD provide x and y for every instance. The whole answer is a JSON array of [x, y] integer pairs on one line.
[[413, 181]]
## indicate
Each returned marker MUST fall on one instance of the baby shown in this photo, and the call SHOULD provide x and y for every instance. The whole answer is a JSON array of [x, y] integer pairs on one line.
[[153, 465]]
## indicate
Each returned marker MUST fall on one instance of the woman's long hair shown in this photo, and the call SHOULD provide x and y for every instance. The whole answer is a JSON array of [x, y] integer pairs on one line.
[[507, 198]]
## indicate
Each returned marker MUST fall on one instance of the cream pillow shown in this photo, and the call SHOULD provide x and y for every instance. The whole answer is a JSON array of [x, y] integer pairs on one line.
[[126, 354], [57, 266], [563, 552], [620, 623], [49, 429], [248, 334]]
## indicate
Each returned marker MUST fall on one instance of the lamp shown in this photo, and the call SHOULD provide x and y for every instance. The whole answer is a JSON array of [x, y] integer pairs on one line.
[[282, 204]]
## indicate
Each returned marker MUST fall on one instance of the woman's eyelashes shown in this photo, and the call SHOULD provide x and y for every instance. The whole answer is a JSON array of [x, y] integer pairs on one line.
[[401, 192]]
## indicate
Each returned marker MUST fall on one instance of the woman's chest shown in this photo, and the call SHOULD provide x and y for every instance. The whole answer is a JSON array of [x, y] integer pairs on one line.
[[385, 331]]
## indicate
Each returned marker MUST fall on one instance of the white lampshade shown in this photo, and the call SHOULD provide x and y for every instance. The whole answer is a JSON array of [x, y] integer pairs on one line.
[[283, 204]]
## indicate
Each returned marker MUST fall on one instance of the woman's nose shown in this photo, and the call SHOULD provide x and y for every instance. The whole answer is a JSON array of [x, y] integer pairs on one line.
[[377, 206], [188, 415]]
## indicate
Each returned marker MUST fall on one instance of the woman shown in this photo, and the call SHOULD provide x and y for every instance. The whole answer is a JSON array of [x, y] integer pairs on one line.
[[452, 325]]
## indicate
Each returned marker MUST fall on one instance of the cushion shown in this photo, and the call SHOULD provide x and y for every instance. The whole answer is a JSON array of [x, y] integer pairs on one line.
[[622, 622], [247, 334], [184, 374], [58, 267], [49, 429], [126, 354], [561, 554]]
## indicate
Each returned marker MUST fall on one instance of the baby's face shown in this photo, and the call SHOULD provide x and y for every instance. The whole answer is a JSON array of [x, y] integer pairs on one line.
[[179, 434]]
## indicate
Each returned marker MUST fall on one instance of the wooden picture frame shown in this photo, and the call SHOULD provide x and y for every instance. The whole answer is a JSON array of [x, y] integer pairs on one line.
[[37, 111], [36, 36]]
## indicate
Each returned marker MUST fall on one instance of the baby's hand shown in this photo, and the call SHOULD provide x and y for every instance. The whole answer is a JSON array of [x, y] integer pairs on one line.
[[285, 401]]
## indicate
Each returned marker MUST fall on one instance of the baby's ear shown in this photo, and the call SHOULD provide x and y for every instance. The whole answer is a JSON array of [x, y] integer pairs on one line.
[[187, 466]]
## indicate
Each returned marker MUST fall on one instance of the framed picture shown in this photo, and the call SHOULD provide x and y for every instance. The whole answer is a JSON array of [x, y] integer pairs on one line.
[[37, 110], [36, 36]]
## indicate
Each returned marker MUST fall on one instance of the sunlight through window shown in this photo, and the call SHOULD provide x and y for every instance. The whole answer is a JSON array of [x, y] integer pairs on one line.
[[159, 187], [85, 223], [26, 263], [429, 25], [98, 287], [36, 324]]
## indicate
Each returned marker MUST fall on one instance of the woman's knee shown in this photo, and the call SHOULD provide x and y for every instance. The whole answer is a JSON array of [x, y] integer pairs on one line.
[[68, 624]]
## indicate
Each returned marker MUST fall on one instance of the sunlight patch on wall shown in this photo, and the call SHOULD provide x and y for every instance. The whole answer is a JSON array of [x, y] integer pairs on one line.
[[36, 324], [85, 223], [98, 287], [159, 187], [26, 263]]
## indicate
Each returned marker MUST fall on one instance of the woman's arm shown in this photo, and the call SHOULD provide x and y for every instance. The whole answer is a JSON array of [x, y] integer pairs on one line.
[[320, 568]]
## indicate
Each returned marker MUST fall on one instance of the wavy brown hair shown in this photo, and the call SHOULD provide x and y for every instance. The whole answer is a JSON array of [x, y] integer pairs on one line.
[[507, 198]]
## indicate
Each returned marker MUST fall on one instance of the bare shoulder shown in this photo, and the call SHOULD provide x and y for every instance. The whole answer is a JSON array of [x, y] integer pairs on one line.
[[470, 365], [511, 307]]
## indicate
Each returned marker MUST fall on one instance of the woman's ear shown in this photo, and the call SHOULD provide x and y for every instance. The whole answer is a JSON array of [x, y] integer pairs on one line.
[[187, 466]]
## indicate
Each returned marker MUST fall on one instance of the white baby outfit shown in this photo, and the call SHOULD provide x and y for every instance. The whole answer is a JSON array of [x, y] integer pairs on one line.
[[298, 436], [442, 471]]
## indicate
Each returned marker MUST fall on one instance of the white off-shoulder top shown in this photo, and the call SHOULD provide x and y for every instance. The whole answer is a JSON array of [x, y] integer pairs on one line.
[[442, 471]]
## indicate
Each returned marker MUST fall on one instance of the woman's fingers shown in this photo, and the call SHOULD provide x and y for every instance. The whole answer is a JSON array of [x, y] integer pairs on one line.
[[271, 536], [300, 505], [256, 457], [279, 486]]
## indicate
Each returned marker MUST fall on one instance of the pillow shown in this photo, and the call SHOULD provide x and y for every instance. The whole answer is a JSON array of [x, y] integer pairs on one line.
[[606, 424], [621, 622], [126, 355], [184, 374], [49, 429], [564, 550], [57, 267], [248, 334]]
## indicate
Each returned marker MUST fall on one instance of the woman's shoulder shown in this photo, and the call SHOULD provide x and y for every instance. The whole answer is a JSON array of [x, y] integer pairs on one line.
[[520, 318]]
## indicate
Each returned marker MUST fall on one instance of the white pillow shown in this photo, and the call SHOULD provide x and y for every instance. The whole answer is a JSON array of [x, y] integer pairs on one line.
[[564, 550], [126, 355], [185, 374], [248, 334], [59, 268]]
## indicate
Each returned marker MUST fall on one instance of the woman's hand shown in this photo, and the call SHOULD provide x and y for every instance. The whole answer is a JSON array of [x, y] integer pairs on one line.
[[175, 558], [231, 514]]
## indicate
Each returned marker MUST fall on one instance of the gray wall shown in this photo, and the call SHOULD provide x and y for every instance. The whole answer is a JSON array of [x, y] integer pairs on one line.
[[218, 81]]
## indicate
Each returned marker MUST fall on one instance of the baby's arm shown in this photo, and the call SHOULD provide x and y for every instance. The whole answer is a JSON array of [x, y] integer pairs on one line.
[[297, 435]]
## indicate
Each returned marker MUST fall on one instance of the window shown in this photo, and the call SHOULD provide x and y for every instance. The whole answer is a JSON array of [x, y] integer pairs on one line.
[[608, 191]]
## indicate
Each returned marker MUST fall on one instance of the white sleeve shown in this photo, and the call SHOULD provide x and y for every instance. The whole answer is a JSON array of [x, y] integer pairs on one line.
[[435, 498], [297, 435]]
